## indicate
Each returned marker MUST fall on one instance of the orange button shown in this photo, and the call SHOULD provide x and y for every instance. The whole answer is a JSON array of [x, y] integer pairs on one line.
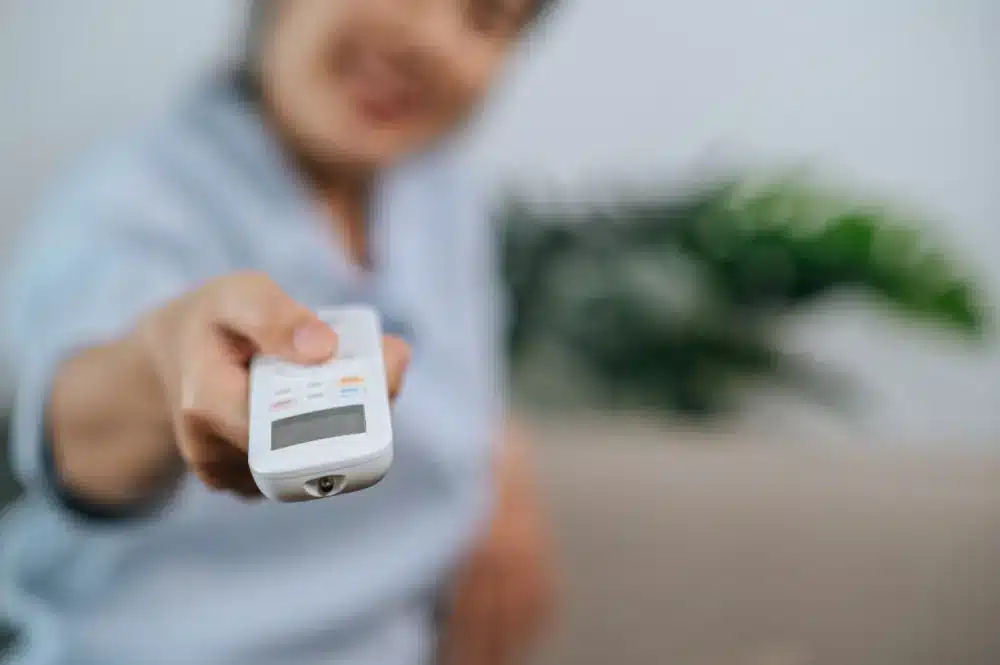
[[351, 380]]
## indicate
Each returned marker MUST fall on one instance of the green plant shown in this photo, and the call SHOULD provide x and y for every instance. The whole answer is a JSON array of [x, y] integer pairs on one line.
[[673, 301]]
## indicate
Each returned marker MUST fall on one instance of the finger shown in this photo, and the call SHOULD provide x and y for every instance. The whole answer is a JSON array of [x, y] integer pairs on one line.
[[213, 400], [211, 434], [396, 356], [222, 468], [232, 477], [253, 307], [195, 453], [191, 435]]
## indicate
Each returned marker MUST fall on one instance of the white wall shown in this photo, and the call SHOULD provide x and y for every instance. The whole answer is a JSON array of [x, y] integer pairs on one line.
[[902, 95], [72, 71]]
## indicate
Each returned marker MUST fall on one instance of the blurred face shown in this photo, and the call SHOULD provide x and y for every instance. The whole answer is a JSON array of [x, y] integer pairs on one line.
[[365, 82]]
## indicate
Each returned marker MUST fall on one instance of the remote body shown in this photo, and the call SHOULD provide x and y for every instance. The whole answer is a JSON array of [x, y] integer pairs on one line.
[[323, 430]]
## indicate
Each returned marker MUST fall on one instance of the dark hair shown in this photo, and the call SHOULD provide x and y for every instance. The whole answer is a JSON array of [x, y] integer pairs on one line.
[[259, 15]]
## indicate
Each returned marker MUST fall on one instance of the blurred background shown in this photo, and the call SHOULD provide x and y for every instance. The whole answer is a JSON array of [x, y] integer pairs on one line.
[[898, 100], [897, 96]]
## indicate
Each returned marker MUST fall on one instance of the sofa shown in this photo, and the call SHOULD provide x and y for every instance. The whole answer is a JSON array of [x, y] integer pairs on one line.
[[726, 549], [696, 549]]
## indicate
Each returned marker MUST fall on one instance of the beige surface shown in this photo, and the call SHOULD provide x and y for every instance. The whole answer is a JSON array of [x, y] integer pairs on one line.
[[709, 552]]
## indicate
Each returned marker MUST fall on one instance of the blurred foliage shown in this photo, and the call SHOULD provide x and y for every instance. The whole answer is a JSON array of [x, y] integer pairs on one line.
[[672, 301]]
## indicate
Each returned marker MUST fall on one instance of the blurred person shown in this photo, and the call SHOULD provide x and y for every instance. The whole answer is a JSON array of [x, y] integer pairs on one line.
[[320, 172]]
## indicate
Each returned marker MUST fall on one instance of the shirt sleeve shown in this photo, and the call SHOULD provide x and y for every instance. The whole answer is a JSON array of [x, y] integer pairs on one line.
[[83, 277]]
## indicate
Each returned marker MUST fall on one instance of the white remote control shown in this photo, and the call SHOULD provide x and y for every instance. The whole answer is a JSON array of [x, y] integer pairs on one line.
[[318, 431]]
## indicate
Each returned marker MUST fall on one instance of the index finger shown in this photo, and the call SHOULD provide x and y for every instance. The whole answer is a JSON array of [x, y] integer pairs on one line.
[[254, 308]]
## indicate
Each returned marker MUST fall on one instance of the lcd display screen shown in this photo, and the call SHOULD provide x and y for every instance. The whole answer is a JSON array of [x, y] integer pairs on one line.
[[318, 425]]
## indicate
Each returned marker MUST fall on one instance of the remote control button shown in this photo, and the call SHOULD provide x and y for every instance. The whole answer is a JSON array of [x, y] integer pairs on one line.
[[283, 405], [283, 392], [351, 390]]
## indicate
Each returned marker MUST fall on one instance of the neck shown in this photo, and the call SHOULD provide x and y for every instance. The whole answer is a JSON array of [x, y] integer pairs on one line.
[[346, 196], [344, 192]]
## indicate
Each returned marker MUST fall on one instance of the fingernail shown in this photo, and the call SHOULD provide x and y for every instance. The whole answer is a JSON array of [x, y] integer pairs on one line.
[[315, 340]]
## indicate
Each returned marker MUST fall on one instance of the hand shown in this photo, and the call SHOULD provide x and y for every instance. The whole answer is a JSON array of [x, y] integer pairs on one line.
[[505, 592], [199, 348]]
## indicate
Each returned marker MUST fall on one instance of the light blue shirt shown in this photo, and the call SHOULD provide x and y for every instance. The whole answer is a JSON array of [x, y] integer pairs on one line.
[[210, 580]]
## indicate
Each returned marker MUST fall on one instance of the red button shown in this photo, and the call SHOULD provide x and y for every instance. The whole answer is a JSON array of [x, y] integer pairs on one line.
[[283, 404]]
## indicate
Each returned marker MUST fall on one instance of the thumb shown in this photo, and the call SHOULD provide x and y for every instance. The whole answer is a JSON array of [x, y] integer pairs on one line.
[[255, 309], [312, 341]]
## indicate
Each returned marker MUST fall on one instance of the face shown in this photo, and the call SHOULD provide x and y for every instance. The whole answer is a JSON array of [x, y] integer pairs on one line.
[[366, 82]]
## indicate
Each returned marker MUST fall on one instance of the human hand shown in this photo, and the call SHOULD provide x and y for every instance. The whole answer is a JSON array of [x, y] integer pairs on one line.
[[505, 592], [199, 349]]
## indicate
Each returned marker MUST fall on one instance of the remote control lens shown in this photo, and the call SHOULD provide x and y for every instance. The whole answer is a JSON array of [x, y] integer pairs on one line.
[[326, 484]]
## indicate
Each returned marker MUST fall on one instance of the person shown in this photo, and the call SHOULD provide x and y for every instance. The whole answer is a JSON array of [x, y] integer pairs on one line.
[[327, 170]]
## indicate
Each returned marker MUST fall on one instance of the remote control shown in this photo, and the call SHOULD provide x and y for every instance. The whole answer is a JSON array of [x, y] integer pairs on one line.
[[323, 430]]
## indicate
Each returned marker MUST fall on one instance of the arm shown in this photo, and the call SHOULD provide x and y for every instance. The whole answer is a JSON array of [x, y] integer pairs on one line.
[[130, 358], [109, 432], [86, 423], [515, 464], [505, 591], [126, 415]]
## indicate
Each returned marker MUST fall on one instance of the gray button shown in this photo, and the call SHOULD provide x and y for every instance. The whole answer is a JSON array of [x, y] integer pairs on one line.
[[283, 392]]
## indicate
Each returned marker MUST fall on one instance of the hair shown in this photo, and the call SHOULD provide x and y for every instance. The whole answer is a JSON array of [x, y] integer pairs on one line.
[[259, 16], [246, 74]]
